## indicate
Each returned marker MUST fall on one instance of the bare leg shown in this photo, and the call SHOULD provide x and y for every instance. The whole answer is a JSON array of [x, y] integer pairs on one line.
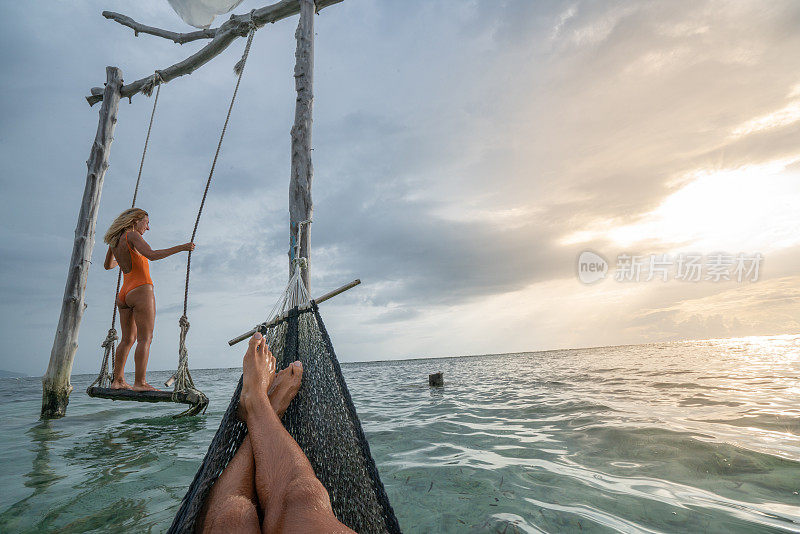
[[128, 326], [143, 301], [290, 494], [231, 505]]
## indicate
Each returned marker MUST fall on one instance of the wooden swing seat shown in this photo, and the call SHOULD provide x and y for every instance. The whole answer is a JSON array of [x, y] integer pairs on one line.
[[198, 402]]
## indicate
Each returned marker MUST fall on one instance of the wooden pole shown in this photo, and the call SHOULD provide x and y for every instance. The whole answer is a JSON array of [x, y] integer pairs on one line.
[[300, 206], [56, 386]]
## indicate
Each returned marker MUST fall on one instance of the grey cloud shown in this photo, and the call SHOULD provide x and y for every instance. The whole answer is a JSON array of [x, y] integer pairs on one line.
[[395, 314]]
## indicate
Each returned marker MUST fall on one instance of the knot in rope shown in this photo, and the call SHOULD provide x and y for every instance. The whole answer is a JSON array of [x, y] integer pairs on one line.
[[239, 67], [104, 377], [183, 352], [183, 379], [110, 338], [155, 80]]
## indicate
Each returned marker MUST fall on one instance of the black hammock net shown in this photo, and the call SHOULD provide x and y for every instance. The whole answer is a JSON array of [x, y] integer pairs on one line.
[[323, 421]]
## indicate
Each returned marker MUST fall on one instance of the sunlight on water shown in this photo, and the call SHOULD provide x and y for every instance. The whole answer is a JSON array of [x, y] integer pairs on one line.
[[691, 437]]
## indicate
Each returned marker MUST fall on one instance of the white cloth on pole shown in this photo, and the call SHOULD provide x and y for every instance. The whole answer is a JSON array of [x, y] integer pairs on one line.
[[201, 13]]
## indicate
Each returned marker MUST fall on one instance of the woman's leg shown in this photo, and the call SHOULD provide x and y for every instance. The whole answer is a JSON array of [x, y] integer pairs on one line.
[[143, 301], [227, 502], [128, 327]]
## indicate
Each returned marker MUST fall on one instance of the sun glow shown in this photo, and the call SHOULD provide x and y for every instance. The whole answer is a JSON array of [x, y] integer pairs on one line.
[[783, 117], [751, 209]]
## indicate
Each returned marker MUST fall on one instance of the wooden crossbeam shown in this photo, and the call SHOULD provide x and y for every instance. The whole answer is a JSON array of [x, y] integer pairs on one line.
[[222, 37]]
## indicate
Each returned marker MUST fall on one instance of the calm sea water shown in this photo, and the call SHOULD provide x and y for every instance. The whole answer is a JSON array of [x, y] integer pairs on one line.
[[680, 437]]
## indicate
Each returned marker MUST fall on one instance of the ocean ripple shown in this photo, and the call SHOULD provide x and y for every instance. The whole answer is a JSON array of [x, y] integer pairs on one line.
[[675, 437]]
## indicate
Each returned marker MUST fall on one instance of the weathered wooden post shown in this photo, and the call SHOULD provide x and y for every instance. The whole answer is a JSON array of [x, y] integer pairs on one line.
[[300, 205], [56, 385]]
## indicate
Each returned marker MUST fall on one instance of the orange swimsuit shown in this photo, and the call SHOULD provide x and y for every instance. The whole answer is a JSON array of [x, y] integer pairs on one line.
[[139, 274]]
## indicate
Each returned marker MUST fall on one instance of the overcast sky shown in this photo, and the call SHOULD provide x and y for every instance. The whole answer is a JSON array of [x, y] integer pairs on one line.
[[465, 154]]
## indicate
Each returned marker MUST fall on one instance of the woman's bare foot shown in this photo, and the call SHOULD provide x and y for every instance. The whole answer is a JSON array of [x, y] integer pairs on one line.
[[120, 384], [258, 368], [285, 387], [144, 386]]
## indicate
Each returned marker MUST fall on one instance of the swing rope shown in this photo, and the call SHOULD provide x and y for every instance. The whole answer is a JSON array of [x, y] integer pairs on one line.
[[183, 378], [184, 384], [104, 378]]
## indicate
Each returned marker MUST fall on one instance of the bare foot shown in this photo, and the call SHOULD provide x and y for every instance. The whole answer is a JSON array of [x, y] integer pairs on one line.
[[258, 368], [143, 387], [285, 387], [120, 384]]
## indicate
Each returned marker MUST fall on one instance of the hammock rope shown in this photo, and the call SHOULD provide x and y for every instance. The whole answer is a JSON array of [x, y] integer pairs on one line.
[[322, 420]]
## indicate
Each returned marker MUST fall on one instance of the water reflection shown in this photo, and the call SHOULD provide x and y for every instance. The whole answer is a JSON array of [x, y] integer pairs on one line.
[[41, 476], [133, 447], [110, 476]]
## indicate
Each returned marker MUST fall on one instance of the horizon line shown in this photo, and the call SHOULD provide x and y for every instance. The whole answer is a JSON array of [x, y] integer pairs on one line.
[[471, 355]]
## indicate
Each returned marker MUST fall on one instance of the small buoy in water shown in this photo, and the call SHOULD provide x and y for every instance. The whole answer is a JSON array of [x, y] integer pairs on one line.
[[436, 380]]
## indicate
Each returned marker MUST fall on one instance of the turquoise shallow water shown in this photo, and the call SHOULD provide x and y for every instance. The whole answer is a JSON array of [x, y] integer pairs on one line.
[[680, 437]]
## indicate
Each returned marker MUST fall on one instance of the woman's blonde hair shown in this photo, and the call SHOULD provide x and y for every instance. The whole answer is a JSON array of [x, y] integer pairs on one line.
[[123, 222]]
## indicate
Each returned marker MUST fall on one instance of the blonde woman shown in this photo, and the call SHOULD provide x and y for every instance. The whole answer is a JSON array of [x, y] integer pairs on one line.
[[136, 300]]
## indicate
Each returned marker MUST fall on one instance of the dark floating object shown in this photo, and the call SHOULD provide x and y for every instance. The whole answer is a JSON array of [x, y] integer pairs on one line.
[[436, 380], [198, 402]]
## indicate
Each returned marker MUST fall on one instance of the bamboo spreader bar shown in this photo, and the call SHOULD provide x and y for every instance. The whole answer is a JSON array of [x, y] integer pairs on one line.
[[276, 320]]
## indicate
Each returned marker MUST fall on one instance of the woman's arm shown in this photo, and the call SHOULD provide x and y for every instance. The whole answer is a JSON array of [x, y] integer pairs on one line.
[[110, 262], [144, 249]]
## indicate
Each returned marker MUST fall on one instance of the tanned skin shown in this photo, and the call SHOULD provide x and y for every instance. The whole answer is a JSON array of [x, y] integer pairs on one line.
[[269, 485], [137, 314]]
